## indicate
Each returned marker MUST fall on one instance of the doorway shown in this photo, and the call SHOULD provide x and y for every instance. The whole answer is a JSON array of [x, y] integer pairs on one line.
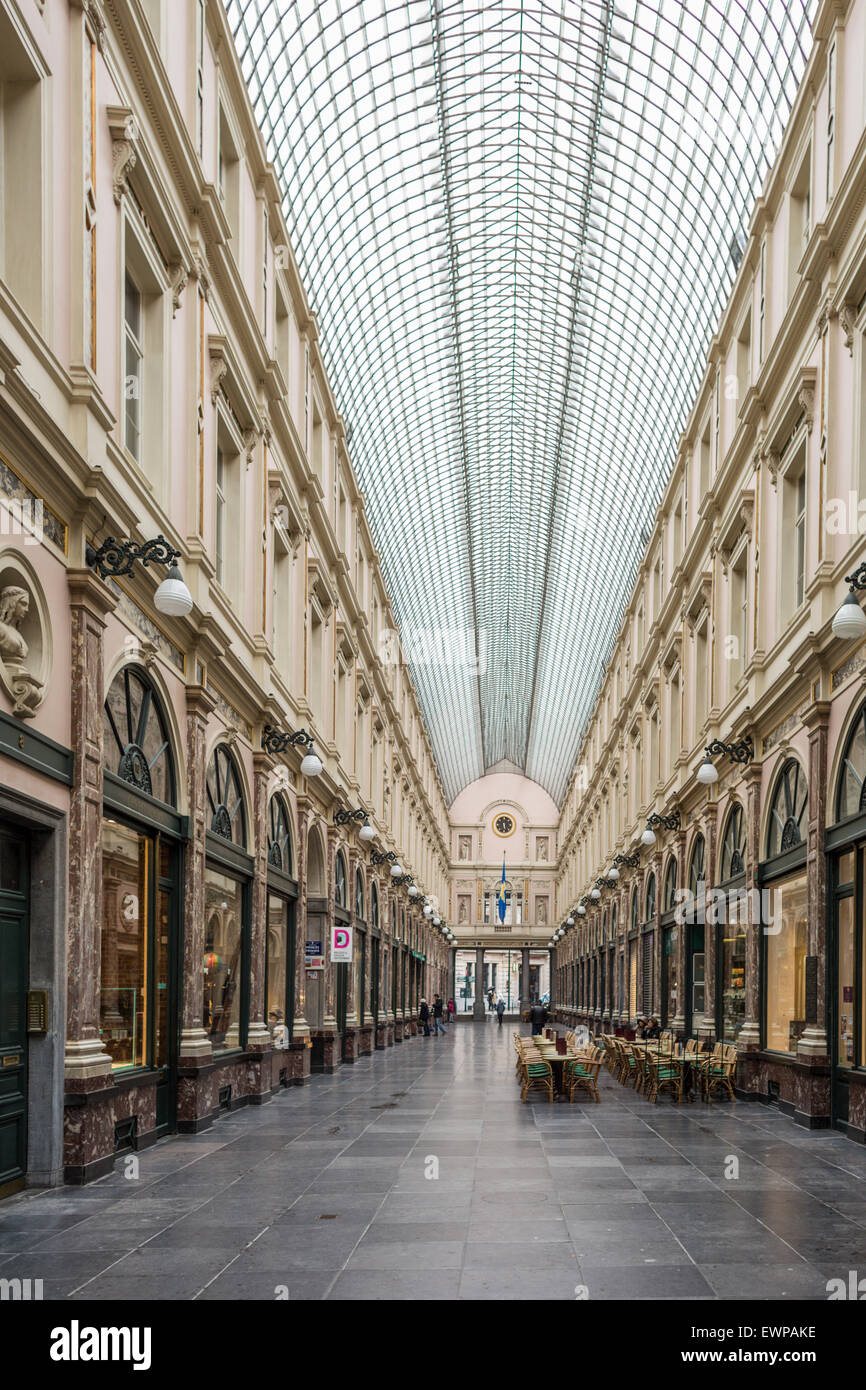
[[844, 946], [14, 977]]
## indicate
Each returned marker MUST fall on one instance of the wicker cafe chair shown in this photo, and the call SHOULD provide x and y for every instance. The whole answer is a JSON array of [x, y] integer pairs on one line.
[[719, 1073], [664, 1074], [578, 1075], [539, 1074]]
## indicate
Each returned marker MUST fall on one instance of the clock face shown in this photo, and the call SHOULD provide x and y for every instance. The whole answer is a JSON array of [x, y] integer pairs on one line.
[[504, 824]]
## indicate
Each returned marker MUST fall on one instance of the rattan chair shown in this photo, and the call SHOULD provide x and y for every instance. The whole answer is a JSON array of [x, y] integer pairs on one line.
[[664, 1074], [539, 1075], [578, 1075]]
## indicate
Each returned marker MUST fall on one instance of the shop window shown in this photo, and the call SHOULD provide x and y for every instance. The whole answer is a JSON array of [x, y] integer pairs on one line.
[[731, 929], [223, 962], [670, 997], [138, 881], [135, 738], [279, 971], [788, 810], [851, 793], [279, 835], [786, 964], [225, 797]]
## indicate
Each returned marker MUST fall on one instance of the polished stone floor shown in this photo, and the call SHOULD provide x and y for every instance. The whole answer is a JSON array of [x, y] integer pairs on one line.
[[331, 1191]]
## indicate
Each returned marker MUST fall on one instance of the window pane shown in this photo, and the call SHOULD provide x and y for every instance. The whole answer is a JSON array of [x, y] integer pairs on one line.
[[277, 975], [733, 981], [786, 966], [122, 1003], [222, 959], [845, 957]]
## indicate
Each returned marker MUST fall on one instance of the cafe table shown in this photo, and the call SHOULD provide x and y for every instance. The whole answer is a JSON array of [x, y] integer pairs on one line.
[[548, 1053]]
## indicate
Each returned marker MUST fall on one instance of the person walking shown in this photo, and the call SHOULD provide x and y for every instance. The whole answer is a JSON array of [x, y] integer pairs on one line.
[[537, 1018], [500, 1011], [438, 1025], [424, 1016]]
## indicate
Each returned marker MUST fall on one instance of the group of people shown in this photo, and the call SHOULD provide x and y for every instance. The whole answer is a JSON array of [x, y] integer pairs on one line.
[[647, 1028], [434, 1016]]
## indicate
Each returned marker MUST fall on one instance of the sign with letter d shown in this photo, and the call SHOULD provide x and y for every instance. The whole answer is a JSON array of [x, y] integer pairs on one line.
[[341, 943]]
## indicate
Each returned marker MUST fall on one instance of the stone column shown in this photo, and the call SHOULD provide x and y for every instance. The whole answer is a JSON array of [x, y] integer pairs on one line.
[[524, 993], [479, 1009], [195, 1101], [813, 1042], [554, 983], [88, 1129]]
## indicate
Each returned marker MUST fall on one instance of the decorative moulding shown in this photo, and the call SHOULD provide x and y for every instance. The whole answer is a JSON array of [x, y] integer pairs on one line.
[[124, 138]]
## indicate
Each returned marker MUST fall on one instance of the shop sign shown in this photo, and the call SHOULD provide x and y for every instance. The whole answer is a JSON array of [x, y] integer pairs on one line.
[[341, 943]]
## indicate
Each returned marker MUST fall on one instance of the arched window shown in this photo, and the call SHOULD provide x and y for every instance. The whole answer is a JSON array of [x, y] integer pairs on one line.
[[669, 899], [136, 742], [225, 797], [787, 810], [733, 860], [851, 792], [374, 907], [697, 875], [650, 898], [359, 895], [613, 923], [340, 895], [635, 910], [604, 925], [279, 836]]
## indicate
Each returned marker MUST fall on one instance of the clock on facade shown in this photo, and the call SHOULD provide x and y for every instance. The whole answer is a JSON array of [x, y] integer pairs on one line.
[[504, 824]]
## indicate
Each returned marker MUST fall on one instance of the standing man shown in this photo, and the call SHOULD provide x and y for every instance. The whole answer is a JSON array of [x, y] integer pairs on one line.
[[438, 1025], [500, 1011]]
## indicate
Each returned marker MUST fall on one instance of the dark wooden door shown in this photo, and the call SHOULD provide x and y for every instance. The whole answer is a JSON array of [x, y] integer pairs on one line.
[[14, 977]]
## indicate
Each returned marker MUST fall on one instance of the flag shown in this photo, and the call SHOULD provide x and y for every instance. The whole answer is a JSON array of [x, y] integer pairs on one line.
[[502, 893]]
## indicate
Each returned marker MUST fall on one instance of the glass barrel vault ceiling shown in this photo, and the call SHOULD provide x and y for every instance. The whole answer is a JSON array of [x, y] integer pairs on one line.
[[518, 226]]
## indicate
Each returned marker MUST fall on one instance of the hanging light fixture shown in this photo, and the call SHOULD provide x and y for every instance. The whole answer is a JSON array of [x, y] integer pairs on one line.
[[116, 557], [850, 620]]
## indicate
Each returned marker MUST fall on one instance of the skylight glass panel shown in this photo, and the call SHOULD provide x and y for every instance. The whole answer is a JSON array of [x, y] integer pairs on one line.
[[514, 222]]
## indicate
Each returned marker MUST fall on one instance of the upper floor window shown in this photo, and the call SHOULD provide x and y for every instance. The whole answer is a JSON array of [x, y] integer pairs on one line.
[[650, 898], [831, 118], [340, 889], [132, 365], [669, 896]]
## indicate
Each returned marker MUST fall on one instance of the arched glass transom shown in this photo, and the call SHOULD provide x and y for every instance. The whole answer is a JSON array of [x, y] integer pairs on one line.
[[225, 797], [279, 834], [374, 907], [136, 742], [650, 898], [340, 892], [635, 910], [669, 899], [697, 873], [359, 895], [851, 793], [485, 197], [788, 810], [733, 859]]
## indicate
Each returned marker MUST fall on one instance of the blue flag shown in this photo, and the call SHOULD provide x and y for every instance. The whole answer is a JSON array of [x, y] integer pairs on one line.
[[502, 893]]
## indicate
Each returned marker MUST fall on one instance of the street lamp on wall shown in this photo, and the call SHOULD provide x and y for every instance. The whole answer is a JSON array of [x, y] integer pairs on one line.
[[671, 822], [850, 620], [116, 557], [740, 752], [277, 741], [366, 832]]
